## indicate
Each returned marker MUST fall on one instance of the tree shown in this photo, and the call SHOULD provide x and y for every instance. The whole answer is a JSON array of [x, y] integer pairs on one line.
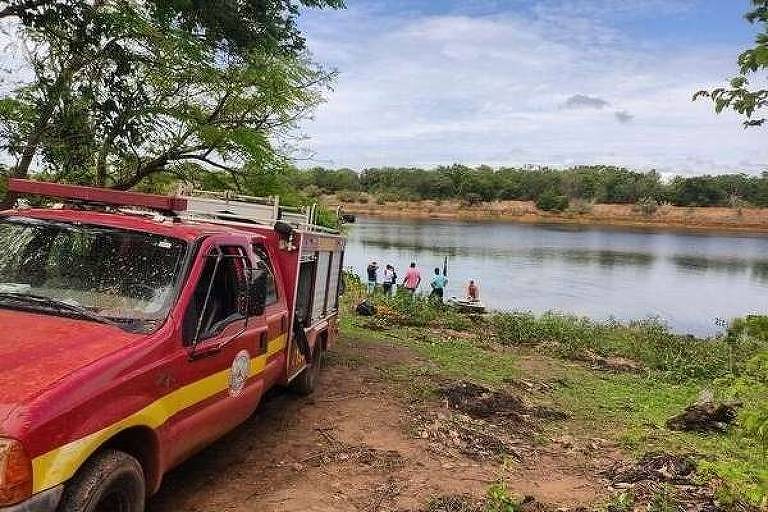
[[125, 89], [741, 95]]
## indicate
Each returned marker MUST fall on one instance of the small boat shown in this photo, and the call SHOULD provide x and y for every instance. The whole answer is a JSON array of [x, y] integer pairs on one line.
[[467, 305]]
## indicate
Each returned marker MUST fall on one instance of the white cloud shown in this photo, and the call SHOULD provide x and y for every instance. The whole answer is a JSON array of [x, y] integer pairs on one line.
[[437, 89]]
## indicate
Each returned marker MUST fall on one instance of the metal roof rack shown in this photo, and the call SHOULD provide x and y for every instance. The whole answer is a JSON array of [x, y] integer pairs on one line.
[[236, 208], [222, 207]]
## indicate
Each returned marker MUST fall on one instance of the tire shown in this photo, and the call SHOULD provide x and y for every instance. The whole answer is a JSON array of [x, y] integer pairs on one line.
[[306, 382], [112, 481]]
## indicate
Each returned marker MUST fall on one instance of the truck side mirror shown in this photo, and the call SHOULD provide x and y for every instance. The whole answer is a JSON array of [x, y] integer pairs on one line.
[[257, 292]]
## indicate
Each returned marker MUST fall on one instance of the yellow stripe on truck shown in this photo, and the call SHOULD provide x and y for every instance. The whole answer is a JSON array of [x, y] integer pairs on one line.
[[60, 464]]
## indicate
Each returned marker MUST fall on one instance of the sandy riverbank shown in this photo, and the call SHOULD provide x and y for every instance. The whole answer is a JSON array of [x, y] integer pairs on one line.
[[750, 220]]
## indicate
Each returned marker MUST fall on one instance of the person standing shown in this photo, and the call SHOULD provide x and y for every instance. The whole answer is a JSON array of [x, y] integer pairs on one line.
[[412, 279], [373, 276], [438, 285], [473, 292], [390, 280]]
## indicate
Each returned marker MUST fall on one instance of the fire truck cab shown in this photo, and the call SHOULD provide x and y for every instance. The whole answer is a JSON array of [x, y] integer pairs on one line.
[[138, 329]]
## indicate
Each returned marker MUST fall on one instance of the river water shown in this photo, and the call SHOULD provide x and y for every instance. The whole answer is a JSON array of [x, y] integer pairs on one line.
[[688, 280]]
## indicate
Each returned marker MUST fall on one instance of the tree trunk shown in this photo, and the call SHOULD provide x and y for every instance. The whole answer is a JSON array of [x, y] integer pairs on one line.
[[101, 162], [152, 167]]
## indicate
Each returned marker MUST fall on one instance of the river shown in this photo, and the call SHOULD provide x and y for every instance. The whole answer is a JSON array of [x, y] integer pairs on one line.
[[688, 280]]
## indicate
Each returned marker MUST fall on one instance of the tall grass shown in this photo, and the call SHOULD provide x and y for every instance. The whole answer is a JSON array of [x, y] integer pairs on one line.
[[672, 356], [678, 357]]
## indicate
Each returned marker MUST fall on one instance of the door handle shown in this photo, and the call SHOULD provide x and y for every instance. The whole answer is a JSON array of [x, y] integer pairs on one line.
[[263, 342], [201, 353]]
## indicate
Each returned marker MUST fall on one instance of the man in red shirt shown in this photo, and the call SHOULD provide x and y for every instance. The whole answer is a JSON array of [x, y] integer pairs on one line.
[[412, 279]]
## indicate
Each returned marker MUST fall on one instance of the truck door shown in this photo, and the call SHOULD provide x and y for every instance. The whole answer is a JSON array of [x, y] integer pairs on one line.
[[302, 312], [223, 356], [275, 314]]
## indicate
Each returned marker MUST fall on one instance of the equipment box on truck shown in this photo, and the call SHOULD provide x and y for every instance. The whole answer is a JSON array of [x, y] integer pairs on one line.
[[138, 328]]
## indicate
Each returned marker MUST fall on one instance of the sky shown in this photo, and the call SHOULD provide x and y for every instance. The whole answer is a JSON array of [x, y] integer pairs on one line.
[[546, 82]]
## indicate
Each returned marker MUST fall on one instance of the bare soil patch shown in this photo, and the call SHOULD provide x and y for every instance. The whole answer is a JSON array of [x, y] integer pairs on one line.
[[354, 446]]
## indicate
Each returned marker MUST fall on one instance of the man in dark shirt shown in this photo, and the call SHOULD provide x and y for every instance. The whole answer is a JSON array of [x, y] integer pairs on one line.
[[372, 270]]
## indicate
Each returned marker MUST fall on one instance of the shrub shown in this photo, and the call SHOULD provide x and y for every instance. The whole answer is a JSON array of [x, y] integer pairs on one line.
[[755, 326], [738, 203], [499, 499], [580, 207], [389, 196], [348, 196], [471, 199], [312, 191], [647, 206], [326, 217], [550, 201]]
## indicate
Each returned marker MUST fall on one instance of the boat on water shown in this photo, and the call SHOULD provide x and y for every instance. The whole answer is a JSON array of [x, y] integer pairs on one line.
[[466, 305]]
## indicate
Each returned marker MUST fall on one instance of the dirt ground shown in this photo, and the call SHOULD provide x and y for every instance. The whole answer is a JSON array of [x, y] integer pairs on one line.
[[353, 446]]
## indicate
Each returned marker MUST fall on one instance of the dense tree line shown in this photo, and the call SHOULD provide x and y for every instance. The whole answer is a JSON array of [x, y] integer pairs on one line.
[[599, 184]]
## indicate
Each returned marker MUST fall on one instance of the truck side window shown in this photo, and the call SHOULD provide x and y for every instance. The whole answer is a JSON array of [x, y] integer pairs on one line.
[[223, 283], [262, 263]]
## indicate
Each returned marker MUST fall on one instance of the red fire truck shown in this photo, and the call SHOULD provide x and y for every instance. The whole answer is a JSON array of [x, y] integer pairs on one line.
[[139, 328]]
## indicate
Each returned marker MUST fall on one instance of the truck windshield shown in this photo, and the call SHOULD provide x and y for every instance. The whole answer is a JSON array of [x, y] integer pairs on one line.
[[116, 276]]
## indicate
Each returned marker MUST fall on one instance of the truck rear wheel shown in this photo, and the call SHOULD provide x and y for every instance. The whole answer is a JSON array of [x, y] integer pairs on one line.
[[306, 382], [112, 481]]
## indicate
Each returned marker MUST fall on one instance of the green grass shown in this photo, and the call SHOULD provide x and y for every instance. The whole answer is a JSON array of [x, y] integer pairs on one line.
[[630, 409], [462, 359], [672, 356]]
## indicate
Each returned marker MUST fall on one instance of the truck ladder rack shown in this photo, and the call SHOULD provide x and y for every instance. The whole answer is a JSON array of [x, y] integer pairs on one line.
[[235, 208]]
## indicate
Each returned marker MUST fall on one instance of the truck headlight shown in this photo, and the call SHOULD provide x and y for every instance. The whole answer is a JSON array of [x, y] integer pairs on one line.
[[15, 473]]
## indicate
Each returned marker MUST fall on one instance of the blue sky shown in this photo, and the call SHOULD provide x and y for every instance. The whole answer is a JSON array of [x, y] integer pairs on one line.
[[554, 82]]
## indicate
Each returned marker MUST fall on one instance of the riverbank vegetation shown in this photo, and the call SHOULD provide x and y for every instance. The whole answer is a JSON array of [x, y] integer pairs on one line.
[[619, 381], [551, 189]]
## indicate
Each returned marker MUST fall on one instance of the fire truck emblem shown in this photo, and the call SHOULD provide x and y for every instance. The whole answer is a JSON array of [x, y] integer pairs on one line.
[[241, 369]]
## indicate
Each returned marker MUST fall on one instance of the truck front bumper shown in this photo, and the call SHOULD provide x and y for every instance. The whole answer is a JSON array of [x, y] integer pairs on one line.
[[45, 501]]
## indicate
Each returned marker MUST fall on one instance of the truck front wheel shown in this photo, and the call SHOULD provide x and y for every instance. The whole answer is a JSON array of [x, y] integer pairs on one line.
[[112, 481], [306, 382]]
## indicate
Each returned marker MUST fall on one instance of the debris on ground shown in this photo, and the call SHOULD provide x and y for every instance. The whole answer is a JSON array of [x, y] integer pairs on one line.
[[340, 452], [480, 402], [480, 423], [497, 407], [454, 435], [375, 323], [614, 364], [467, 503], [383, 496], [657, 467], [705, 416], [455, 503], [663, 476], [365, 308]]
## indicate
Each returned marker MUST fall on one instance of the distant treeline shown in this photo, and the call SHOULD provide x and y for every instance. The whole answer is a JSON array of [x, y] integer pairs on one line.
[[549, 187]]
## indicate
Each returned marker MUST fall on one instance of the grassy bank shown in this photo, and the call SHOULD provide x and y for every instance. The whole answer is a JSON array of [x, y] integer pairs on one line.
[[616, 381]]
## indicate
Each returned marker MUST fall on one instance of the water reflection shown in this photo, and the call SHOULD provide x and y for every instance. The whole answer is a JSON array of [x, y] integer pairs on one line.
[[602, 258], [688, 280]]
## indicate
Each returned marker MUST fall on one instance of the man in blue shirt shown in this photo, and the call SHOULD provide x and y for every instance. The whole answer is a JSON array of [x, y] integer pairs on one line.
[[438, 285]]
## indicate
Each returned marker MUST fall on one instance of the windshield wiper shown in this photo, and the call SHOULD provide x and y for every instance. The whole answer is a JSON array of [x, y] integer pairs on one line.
[[59, 305]]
